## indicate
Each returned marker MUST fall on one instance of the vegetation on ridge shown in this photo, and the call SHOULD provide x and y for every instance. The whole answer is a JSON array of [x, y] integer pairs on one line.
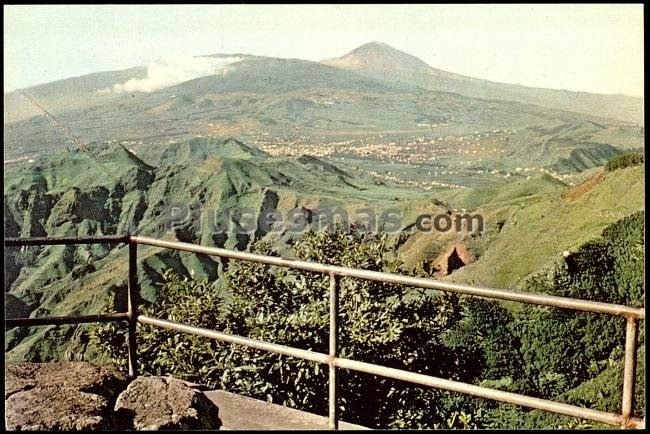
[[625, 160]]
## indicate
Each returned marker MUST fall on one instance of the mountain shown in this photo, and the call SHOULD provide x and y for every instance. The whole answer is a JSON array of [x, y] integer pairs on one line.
[[381, 61], [379, 57], [109, 190], [197, 150], [68, 94], [292, 101]]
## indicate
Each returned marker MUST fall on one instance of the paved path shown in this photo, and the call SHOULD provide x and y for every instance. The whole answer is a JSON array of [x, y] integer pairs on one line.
[[241, 413]]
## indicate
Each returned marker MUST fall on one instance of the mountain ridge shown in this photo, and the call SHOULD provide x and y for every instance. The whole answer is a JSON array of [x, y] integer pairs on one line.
[[368, 60], [289, 103], [413, 70]]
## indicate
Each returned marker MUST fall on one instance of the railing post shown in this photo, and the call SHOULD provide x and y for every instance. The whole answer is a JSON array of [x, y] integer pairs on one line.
[[629, 371], [133, 308], [333, 351]]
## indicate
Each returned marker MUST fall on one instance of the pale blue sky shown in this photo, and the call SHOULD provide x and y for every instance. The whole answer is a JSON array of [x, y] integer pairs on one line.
[[595, 48]]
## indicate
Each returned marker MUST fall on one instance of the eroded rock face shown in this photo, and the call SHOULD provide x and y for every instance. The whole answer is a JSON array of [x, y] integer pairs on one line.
[[454, 257], [60, 396], [162, 403]]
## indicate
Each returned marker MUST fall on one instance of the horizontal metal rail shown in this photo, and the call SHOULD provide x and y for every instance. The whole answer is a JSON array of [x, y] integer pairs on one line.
[[399, 374], [247, 342], [484, 392], [49, 241], [524, 297], [61, 320]]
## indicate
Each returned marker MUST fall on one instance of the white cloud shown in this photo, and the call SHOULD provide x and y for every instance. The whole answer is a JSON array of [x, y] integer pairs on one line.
[[174, 70]]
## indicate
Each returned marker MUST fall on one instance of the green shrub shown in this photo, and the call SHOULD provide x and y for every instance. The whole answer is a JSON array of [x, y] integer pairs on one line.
[[563, 348], [382, 323], [551, 353], [624, 160]]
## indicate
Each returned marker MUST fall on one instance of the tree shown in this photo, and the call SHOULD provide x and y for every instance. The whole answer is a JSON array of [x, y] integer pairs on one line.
[[382, 323]]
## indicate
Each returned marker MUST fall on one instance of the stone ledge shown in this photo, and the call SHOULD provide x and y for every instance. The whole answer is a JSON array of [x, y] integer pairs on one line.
[[242, 413]]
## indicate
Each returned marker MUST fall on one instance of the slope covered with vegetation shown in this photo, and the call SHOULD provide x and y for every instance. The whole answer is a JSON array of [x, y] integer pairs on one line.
[[65, 196], [534, 222], [110, 190], [549, 353]]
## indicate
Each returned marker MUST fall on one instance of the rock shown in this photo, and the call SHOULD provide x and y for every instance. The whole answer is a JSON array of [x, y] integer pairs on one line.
[[60, 396], [454, 257], [82, 376], [157, 403], [56, 408]]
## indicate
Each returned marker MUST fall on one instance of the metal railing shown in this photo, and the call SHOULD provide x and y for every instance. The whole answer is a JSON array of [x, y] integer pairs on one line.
[[631, 314]]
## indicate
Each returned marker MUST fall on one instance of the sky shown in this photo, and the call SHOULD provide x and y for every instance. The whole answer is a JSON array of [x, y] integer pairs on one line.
[[592, 48]]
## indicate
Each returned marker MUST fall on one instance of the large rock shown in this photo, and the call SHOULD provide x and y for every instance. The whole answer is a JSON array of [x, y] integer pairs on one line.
[[157, 403], [60, 396], [56, 408]]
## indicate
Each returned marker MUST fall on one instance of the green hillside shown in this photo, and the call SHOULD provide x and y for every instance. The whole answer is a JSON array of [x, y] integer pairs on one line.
[[532, 225], [116, 192]]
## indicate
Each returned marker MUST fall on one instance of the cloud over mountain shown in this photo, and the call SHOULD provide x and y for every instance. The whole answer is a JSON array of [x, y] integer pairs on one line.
[[174, 70]]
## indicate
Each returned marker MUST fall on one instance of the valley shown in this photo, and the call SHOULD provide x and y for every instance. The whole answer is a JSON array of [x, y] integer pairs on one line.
[[374, 129]]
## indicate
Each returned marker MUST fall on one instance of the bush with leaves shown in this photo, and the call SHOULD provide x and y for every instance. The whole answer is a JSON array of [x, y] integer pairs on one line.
[[486, 338], [563, 348], [162, 351], [382, 323]]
